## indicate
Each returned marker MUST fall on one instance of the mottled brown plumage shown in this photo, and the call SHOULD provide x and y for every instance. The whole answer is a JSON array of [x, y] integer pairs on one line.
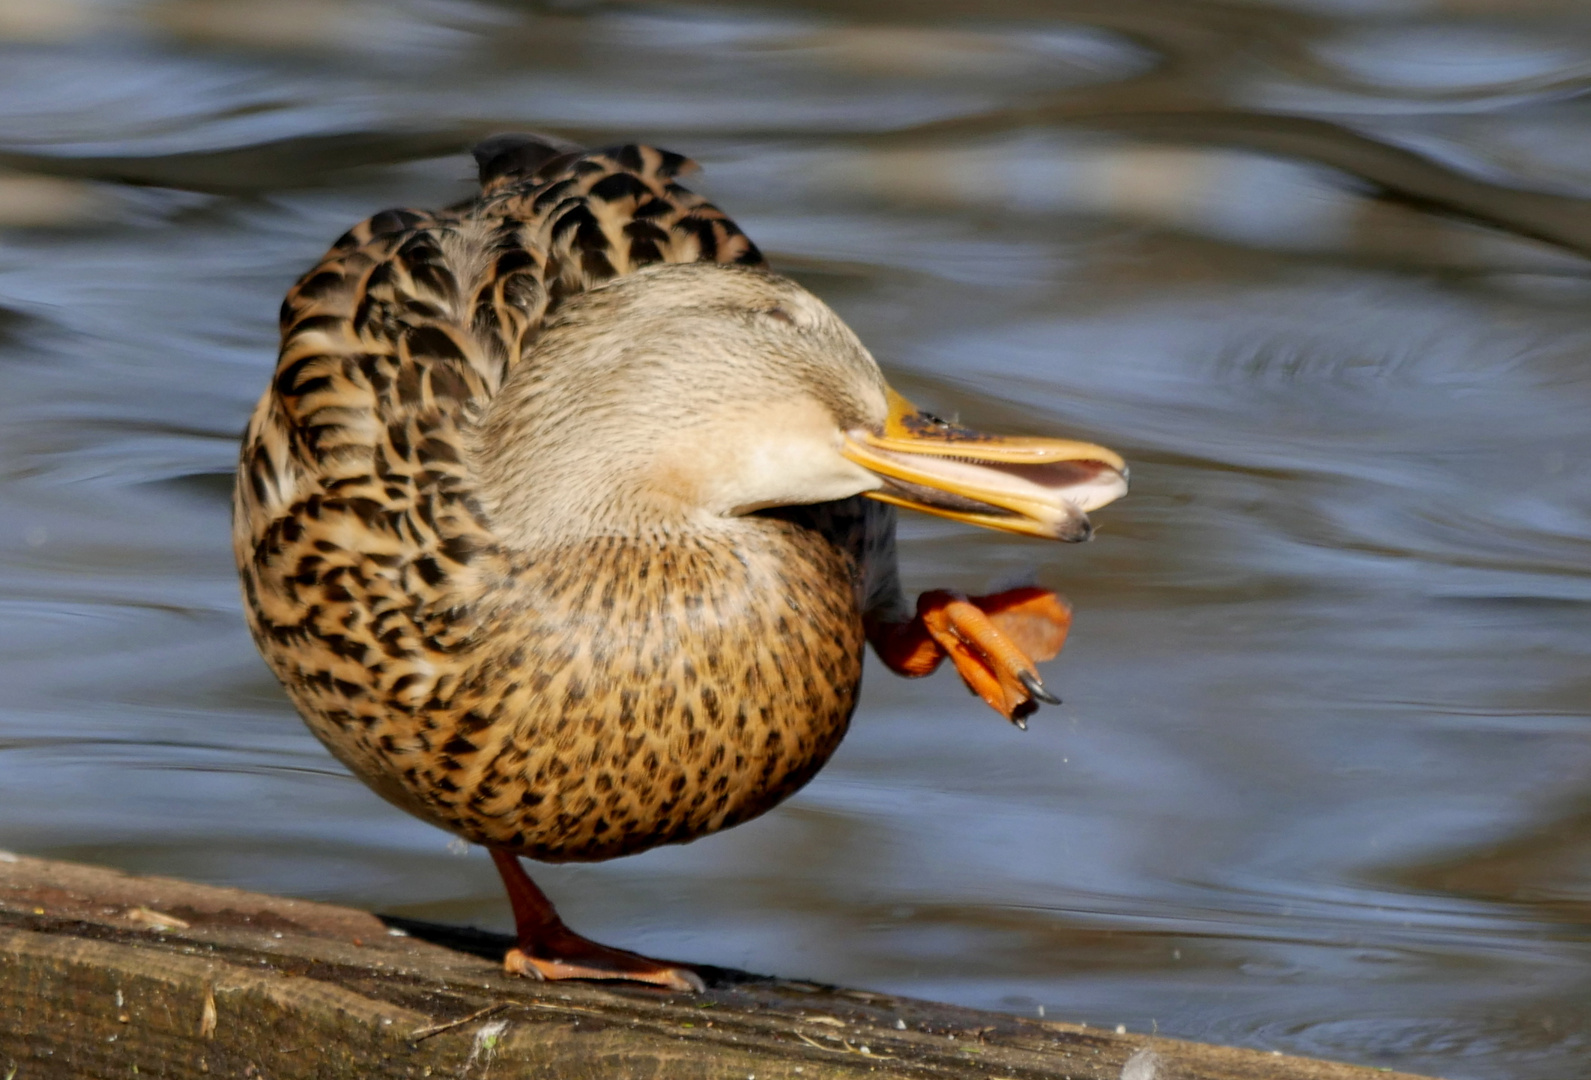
[[518, 524]]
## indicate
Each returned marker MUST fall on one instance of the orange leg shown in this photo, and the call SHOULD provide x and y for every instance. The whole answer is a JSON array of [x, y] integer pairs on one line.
[[548, 950], [994, 641]]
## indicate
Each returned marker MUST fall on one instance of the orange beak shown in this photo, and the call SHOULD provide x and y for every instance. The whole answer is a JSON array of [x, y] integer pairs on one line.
[[1022, 484]]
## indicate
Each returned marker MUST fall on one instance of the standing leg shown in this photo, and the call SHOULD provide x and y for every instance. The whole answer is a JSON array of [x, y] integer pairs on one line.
[[547, 949]]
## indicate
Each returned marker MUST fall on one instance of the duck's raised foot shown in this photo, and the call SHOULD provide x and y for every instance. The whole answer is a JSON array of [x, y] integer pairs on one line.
[[548, 950], [994, 641]]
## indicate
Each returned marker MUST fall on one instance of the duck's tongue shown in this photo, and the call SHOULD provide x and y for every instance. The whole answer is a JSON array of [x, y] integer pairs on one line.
[[1022, 484]]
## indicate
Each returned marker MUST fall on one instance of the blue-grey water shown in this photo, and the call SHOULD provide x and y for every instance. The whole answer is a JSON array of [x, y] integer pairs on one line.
[[1318, 268]]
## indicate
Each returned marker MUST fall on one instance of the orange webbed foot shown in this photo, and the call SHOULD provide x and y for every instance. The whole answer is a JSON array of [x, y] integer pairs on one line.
[[548, 950], [570, 956], [994, 641]]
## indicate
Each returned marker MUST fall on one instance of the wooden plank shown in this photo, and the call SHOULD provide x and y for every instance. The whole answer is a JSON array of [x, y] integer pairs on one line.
[[104, 974]]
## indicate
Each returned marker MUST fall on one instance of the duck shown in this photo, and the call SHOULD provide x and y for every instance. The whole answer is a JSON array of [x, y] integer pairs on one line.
[[565, 523]]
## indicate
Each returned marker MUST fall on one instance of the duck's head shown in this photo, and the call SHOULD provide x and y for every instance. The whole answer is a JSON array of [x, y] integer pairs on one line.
[[697, 393]]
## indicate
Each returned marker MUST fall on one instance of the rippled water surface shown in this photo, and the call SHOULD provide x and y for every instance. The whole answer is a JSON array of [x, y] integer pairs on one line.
[[1319, 269]]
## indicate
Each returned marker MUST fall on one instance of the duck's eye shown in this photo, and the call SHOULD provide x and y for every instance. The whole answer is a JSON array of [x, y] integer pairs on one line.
[[777, 312]]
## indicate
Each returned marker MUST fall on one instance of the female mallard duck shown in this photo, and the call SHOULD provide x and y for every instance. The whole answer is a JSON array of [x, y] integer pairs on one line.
[[552, 522]]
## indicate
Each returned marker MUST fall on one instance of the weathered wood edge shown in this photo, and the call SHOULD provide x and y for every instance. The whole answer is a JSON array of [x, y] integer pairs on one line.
[[106, 974]]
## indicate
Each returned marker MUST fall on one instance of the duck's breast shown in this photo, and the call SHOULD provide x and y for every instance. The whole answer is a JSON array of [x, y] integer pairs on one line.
[[620, 693]]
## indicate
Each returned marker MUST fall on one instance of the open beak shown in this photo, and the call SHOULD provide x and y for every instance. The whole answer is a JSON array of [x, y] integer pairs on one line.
[[1036, 486]]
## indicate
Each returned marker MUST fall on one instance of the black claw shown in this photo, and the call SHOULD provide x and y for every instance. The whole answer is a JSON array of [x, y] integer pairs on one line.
[[1020, 714], [1031, 683]]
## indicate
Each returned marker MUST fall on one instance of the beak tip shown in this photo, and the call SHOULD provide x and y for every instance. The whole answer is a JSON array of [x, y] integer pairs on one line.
[[1074, 528]]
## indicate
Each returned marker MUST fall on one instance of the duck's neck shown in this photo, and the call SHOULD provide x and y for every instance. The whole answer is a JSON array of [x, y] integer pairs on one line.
[[652, 588]]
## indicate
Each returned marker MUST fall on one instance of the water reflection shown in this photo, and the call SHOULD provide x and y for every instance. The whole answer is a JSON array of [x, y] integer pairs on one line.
[[1318, 268]]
